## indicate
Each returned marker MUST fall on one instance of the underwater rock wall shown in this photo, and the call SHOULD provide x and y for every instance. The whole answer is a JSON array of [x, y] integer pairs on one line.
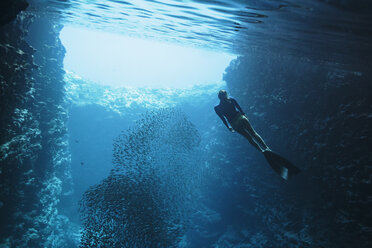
[[9, 10], [34, 155], [319, 116]]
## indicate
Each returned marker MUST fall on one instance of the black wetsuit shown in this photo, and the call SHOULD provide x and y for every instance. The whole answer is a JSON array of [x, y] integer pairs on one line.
[[227, 109]]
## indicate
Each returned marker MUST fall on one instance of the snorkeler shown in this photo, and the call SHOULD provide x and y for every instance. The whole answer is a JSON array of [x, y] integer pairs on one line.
[[229, 109]]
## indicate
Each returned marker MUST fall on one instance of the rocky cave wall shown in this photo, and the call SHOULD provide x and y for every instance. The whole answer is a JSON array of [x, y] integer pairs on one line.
[[34, 157], [318, 114]]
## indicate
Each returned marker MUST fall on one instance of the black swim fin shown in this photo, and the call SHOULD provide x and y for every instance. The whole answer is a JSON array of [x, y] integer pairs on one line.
[[281, 165]]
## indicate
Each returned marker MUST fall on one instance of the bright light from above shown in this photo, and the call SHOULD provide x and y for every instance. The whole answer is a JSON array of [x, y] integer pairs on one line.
[[116, 60]]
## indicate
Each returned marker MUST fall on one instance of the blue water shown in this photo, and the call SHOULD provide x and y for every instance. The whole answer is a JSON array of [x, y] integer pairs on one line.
[[155, 167], [237, 26], [98, 114]]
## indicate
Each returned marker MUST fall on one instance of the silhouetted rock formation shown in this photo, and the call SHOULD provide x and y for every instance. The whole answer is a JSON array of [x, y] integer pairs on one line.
[[9, 10], [319, 116]]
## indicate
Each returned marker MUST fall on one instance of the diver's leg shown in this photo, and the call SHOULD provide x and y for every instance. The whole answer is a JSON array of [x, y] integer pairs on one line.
[[254, 134], [249, 138]]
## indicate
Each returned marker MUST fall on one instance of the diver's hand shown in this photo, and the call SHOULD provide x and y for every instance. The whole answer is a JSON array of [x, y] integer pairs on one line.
[[231, 130]]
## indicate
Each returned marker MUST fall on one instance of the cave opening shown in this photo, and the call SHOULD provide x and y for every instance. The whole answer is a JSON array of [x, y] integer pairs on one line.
[[112, 80], [120, 61]]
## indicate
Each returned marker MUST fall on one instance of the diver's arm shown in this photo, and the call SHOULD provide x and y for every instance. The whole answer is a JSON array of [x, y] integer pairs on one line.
[[238, 107], [222, 118]]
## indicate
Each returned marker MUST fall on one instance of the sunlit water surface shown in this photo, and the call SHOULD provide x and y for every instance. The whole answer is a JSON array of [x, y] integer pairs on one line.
[[326, 29]]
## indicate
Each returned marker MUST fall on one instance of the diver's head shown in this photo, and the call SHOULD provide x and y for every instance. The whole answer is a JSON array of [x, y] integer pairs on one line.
[[222, 95]]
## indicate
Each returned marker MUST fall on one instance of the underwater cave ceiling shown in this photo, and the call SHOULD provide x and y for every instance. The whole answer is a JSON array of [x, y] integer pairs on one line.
[[317, 112], [322, 29], [10, 8]]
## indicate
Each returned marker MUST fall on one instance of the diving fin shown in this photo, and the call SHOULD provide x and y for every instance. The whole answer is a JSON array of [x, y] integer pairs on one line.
[[281, 165]]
